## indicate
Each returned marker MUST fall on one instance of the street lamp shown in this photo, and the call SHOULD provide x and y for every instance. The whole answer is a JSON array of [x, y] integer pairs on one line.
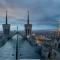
[[17, 46]]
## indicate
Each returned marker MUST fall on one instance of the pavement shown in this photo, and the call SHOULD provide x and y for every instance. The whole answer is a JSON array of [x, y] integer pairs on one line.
[[26, 51]]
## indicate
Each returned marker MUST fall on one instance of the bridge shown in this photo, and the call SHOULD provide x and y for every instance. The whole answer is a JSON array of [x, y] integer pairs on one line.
[[30, 42], [12, 35]]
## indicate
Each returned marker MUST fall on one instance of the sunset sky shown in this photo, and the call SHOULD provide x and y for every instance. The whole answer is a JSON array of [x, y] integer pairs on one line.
[[44, 14]]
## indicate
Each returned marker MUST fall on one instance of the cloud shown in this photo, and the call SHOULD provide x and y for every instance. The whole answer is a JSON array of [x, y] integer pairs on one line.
[[42, 12]]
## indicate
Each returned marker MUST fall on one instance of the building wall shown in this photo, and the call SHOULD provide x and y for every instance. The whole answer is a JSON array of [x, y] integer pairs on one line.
[[6, 29]]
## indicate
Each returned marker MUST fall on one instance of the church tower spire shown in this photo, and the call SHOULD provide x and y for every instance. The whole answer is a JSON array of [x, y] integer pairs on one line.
[[28, 27], [6, 18], [28, 18], [6, 27]]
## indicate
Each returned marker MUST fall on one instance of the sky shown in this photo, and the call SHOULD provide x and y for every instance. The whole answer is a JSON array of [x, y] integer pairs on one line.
[[44, 14]]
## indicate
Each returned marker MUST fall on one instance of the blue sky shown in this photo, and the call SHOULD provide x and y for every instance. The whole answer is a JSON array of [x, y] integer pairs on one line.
[[44, 14]]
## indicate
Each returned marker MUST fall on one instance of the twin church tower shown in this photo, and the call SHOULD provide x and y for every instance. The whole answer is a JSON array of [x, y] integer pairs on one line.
[[6, 27], [28, 27]]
